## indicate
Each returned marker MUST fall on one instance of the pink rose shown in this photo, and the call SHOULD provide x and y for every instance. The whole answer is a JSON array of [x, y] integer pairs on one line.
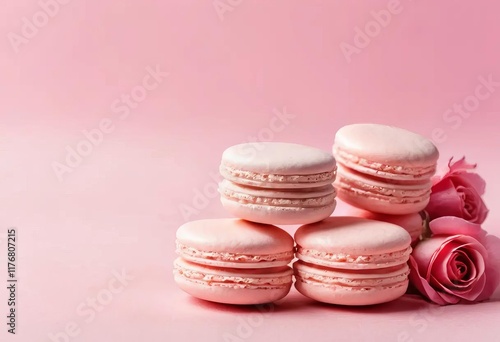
[[458, 193], [459, 263]]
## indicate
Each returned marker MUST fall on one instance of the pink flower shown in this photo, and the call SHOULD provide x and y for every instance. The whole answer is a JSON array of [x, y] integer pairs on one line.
[[458, 193], [459, 263]]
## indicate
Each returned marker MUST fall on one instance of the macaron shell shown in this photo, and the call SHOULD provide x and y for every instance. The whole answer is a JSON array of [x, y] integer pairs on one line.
[[349, 178], [351, 287], [234, 236], [277, 181], [379, 277], [384, 169], [234, 295], [345, 295], [353, 236], [268, 277], [278, 158], [382, 196], [232, 286], [382, 204], [391, 172], [298, 206], [354, 261], [278, 215], [387, 145], [227, 186], [239, 261]]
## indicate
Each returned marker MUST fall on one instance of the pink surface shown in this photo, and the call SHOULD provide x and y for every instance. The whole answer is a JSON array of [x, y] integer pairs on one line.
[[270, 70]]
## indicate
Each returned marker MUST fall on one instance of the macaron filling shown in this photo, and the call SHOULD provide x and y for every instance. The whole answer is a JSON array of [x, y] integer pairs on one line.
[[277, 277], [392, 190], [278, 202], [365, 165], [242, 175], [375, 196], [352, 261], [187, 251], [370, 279], [324, 276]]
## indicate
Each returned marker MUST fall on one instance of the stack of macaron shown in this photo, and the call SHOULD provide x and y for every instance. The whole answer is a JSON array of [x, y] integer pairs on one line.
[[385, 173], [355, 260], [245, 260]]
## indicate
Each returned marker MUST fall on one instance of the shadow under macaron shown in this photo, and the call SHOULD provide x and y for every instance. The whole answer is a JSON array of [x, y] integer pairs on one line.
[[282, 305], [297, 302]]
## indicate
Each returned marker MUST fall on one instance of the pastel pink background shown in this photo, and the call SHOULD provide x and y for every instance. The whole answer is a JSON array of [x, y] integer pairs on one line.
[[120, 208]]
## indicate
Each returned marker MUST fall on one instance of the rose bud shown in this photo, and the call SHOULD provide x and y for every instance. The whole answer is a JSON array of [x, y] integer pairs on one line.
[[458, 193]]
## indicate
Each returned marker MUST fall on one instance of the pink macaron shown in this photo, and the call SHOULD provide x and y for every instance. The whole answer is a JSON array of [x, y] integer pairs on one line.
[[352, 261], [278, 183], [233, 261], [384, 169]]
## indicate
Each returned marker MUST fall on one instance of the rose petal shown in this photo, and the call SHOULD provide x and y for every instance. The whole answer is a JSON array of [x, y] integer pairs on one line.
[[438, 270], [445, 201], [475, 291], [423, 286], [475, 286], [460, 165], [458, 193], [451, 299], [440, 176], [448, 297], [470, 295], [473, 252], [454, 266], [461, 169], [470, 204], [449, 225], [425, 251], [492, 272], [469, 180], [474, 208], [431, 259], [482, 212], [461, 258], [444, 271]]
